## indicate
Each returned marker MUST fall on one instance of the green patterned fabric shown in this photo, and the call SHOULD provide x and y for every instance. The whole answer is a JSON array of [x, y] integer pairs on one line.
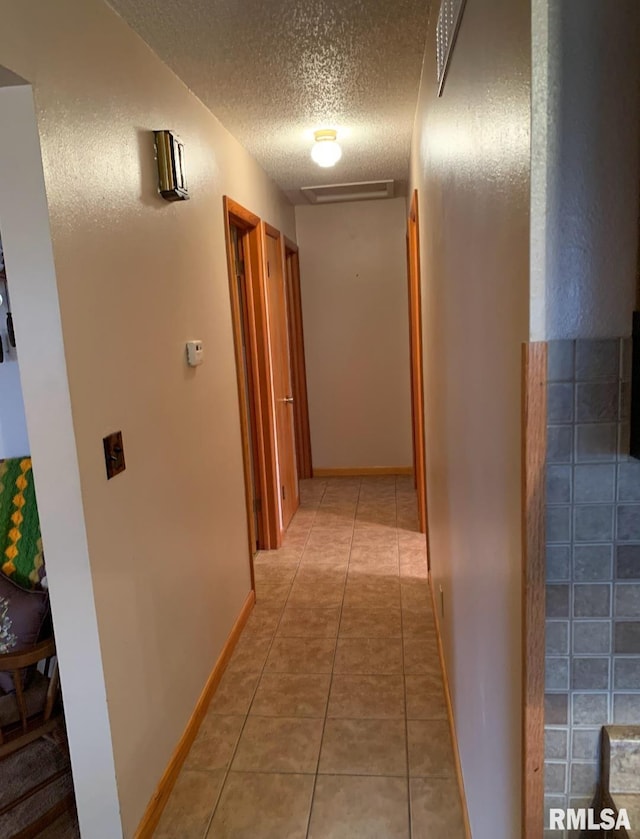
[[21, 556]]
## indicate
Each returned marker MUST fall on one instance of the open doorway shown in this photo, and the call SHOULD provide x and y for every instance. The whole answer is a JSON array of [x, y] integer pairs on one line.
[[27, 248], [33, 748], [259, 305]]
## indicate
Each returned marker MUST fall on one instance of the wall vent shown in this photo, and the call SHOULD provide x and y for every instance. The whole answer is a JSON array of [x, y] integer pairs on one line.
[[363, 191]]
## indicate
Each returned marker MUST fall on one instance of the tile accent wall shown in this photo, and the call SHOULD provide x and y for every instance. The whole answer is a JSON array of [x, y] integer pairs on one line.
[[593, 563]]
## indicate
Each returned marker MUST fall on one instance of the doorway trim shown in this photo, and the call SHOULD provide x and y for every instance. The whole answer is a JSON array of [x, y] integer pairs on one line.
[[298, 365], [534, 451], [268, 230], [415, 346], [256, 409], [28, 250]]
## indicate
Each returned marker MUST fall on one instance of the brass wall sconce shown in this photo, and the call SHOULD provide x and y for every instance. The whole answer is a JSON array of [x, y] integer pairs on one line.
[[171, 172]]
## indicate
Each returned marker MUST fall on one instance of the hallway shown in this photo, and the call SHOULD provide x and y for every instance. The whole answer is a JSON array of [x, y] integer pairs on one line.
[[330, 720]]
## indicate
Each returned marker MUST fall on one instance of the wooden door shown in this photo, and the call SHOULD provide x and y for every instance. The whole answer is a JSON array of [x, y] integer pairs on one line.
[[298, 367], [281, 373], [417, 385]]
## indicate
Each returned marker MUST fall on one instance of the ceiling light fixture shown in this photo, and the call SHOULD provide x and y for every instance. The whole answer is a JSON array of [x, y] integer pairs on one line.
[[326, 151]]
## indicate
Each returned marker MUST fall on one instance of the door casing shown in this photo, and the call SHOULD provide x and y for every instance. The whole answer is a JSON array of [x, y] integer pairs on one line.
[[256, 411], [298, 366], [280, 358], [417, 379]]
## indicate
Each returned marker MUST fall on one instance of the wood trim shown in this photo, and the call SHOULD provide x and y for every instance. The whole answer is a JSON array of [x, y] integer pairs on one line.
[[298, 364], [415, 347], [274, 233], [160, 797], [265, 398], [362, 471], [451, 718], [257, 414], [244, 408], [246, 216], [534, 449]]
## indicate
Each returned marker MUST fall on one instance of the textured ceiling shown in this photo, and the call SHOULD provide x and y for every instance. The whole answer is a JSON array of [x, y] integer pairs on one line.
[[274, 70]]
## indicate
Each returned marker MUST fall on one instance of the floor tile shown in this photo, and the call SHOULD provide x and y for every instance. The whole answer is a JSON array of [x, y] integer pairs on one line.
[[301, 655], [272, 594], [373, 656], [287, 695], [249, 655], [373, 697], [370, 622], [309, 623], [418, 623], [215, 743], [365, 591], [316, 595], [421, 656], [430, 749], [190, 805], [364, 747], [354, 807], [425, 697], [267, 574], [234, 694], [263, 620], [263, 806], [279, 744], [436, 809], [323, 681]]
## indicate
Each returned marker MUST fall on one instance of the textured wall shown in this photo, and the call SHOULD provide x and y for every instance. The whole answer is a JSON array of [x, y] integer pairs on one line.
[[353, 268], [593, 563], [470, 163], [136, 278], [586, 152]]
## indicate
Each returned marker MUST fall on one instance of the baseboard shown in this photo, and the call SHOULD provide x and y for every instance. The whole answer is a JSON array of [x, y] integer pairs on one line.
[[159, 799], [452, 725], [362, 471]]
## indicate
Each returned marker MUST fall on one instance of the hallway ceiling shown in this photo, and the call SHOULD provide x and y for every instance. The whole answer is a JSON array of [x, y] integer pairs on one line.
[[273, 71]]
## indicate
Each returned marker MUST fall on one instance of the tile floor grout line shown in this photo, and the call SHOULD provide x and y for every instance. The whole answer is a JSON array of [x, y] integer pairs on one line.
[[404, 679], [255, 690], [335, 652]]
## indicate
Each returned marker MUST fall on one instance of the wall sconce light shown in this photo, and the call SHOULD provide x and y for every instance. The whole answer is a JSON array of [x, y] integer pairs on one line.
[[171, 173], [326, 151]]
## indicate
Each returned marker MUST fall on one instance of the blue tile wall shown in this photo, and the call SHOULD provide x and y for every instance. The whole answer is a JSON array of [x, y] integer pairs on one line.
[[593, 562]]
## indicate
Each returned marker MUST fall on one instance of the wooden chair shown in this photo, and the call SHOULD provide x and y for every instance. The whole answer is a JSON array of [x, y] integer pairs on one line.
[[33, 710]]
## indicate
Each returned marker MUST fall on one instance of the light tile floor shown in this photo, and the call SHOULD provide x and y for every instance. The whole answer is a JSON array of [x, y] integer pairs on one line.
[[330, 721]]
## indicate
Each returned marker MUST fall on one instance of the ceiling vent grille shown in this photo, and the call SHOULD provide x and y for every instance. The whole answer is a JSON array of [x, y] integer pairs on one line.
[[363, 191]]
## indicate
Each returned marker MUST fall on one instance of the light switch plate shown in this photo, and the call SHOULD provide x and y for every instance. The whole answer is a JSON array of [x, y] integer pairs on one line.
[[114, 454]]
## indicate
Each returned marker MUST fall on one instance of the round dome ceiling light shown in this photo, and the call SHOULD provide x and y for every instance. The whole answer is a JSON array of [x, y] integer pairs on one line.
[[326, 151]]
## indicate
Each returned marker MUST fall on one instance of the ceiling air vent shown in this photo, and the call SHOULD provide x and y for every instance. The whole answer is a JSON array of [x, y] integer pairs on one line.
[[366, 190]]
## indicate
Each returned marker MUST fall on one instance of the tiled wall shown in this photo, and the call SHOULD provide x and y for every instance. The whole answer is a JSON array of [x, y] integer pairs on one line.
[[593, 563]]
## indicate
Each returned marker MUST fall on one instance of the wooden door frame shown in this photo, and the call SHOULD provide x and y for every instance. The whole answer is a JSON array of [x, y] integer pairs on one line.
[[415, 346], [298, 364], [274, 233], [256, 412], [534, 451]]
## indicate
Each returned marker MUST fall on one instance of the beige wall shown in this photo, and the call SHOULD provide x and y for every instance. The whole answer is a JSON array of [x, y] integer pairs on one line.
[[470, 163], [136, 278], [354, 297]]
